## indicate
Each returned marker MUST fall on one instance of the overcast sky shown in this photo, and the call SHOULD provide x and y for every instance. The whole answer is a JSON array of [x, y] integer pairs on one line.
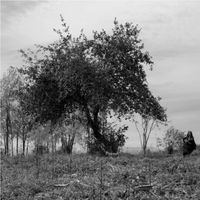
[[170, 31]]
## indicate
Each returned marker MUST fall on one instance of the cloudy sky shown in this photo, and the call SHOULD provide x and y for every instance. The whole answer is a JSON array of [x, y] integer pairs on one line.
[[169, 29]]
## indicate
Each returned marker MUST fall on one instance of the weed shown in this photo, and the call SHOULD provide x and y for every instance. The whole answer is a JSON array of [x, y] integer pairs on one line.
[[91, 177]]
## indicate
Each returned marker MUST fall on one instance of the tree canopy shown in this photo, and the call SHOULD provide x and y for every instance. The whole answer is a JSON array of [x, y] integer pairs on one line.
[[103, 75]]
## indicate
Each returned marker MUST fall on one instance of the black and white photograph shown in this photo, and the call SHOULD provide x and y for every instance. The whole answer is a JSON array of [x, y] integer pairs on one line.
[[100, 100]]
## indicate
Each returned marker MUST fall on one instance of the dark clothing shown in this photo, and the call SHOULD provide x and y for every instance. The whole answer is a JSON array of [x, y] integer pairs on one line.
[[189, 144]]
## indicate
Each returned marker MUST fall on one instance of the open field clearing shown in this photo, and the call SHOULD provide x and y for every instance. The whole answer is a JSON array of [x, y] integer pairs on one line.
[[91, 177], [100, 100]]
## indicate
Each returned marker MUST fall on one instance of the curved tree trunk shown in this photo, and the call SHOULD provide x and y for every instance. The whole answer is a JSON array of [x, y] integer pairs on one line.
[[94, 124], [106, 146]]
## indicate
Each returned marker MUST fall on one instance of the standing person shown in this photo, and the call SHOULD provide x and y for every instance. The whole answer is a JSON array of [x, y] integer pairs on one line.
[[189, 144]]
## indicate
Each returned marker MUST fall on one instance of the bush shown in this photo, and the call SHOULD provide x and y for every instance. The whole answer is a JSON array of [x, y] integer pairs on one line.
[[41, 149], [115, 139]]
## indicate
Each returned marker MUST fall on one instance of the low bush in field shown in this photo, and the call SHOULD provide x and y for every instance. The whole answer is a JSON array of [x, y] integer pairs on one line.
[[92, 177]]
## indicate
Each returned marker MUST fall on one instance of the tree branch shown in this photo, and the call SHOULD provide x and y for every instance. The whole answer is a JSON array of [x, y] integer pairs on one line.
[[138, 132], [151, 128]]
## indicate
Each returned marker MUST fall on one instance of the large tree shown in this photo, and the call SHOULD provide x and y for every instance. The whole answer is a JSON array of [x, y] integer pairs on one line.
[[100, 76]]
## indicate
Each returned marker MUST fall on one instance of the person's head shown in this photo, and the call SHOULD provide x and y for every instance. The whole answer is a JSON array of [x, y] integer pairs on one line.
[[189, 134]]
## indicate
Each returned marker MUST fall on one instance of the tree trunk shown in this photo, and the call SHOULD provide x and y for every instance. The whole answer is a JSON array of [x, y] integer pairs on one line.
[[11, 133], [89, 138], [17, 144], [63, 142], [52, 144], [27, 148], [7, 131], [105, 146], [4, 142], [72, 142], [144, 144], [47, 144], [23, 144], [94, 124], [12, 149], [67, 144], [144, 150], [55, 144]]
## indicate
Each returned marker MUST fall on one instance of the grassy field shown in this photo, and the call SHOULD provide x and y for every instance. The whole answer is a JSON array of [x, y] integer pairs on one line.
[[60, 177]]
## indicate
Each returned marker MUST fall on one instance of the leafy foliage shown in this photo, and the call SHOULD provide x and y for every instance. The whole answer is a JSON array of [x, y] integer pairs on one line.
[[100, 75], [10, 84], [15, 121], [70, 129], [115, 136], [173, 139], [145, 124]]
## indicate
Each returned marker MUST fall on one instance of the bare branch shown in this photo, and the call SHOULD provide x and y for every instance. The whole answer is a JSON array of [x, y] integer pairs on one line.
[[138, 132], [151, 128]]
